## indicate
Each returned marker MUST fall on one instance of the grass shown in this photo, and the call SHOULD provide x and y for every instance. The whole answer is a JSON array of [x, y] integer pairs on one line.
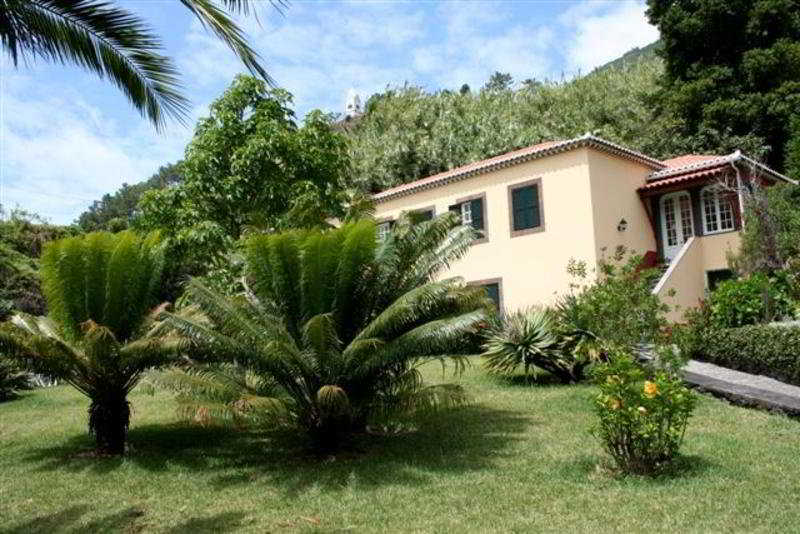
[[520, 459]]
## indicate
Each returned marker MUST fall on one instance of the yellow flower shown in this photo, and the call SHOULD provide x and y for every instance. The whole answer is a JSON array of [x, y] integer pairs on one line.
[[650, 389], [642, 410], [615, 404]]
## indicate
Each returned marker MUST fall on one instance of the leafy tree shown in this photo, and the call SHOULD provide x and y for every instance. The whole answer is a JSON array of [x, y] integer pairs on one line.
[[745, 79], [12, 380], [97, 336], [339, 324], [771, 231], [113, 42], [408, 133], [499, 81], [250, 162], [115, 211], [22, 236]]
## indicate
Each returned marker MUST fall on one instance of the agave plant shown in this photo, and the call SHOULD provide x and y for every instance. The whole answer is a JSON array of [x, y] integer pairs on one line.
[[99, 333], [340, 323]]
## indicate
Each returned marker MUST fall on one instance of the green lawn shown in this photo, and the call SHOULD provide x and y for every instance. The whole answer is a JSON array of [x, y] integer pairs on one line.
[[520, 459]]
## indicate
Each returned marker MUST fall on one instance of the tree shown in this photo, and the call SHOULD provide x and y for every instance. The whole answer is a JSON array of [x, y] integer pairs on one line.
[[97, 335], [112, 42], [499, 81], [118, 209], [744, 79], [338, 324], [250, 162]]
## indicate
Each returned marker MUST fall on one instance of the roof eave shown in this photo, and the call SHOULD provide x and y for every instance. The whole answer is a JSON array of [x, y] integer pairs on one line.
[[585, 141]]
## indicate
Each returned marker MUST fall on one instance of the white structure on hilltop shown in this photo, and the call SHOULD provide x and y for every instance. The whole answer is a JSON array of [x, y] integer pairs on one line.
[[352, 105]]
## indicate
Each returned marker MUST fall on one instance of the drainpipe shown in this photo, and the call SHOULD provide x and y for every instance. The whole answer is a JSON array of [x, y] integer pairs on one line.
[[736, 157]]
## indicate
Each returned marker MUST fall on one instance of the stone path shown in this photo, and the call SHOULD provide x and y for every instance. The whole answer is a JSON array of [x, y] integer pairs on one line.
[[743, 388]]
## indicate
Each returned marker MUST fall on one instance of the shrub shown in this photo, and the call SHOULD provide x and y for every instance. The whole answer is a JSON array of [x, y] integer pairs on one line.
[[618, 306], [768, 350], [642, 413], [336, 324], [756, 299], [12, 380], [531, 339], [99, 289]]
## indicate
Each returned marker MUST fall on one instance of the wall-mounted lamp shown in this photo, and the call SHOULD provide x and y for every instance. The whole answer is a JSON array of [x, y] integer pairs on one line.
[[622, 226]]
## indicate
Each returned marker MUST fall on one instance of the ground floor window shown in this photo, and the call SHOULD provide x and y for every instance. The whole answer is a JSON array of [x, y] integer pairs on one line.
[[494, 289], [718, 276]]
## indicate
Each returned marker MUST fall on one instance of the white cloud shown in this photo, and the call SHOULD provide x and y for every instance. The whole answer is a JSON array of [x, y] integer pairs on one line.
[[60, 152], [602, 31]]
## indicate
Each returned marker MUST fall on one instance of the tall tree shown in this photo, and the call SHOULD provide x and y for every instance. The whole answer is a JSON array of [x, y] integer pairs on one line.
[[249, 163], [114, 43], [744, 78], [499, 81]]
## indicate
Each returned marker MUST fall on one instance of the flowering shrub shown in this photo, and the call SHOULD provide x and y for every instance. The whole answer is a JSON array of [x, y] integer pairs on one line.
[[643, 414]]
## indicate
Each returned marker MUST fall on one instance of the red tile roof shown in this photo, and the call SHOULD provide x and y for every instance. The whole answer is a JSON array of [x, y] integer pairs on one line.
[[517, 156], [688, 159], [665, 183]]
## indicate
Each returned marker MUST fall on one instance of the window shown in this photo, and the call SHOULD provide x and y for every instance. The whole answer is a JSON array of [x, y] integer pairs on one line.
[[424, 214], [717, 210], [493, 289], [472, 211], [525, 207], [718, 276], [383, 230]]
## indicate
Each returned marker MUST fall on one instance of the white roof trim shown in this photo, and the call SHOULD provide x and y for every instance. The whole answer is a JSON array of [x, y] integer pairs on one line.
[[587, 140], [716, 162]]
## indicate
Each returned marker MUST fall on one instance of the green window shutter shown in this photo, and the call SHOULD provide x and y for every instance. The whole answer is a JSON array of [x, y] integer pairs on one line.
[[525, 207], [476, 206], [493, 291]]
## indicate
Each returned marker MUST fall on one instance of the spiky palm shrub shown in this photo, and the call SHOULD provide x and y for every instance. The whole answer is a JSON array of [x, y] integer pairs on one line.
[[340, 323], [99, 289]]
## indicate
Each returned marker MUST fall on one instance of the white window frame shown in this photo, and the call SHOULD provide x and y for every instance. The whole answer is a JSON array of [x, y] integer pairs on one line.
[[718, 199], [466, 212], [383, 230]]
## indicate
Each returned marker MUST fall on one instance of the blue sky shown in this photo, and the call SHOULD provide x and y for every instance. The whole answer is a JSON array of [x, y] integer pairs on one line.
[[66, 138]]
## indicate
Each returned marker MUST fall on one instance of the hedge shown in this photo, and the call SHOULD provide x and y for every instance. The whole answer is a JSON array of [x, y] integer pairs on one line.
[[772, 351]]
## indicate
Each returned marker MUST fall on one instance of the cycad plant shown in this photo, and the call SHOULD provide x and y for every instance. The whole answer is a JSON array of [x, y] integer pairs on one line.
[[98, 335], [339, 323]]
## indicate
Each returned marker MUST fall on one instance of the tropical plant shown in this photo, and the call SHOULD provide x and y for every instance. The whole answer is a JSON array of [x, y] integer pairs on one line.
[[12, 380], [340, 323], [643, 413], [534, 338], [113, 42], [755, 299], [617, 304], [97, 337]]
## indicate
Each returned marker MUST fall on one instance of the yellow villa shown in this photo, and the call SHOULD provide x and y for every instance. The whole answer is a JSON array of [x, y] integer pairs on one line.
[[538, 207]]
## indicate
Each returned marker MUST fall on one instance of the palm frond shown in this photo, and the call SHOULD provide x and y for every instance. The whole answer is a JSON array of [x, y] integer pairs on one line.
[[103, 38], [211, 16]]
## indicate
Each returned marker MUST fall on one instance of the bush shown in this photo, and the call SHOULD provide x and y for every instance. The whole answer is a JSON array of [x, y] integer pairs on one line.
[[768, 350], [618, 307], [756, 299], [12, 380], [643, 414], [532, 339]]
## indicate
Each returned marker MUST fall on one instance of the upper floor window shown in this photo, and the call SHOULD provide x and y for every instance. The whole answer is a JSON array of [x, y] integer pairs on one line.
[[473, 212], [383, 230], [526, 207], [424, 214], [717, 210]]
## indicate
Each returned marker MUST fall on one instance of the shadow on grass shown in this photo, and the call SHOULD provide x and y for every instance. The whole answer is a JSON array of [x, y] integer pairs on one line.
[[462, 440], [592, 467], [68, 521]]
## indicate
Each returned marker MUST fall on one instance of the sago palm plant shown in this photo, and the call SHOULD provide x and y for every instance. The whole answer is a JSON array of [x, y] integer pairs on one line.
[[339, 323], [100, 291]]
